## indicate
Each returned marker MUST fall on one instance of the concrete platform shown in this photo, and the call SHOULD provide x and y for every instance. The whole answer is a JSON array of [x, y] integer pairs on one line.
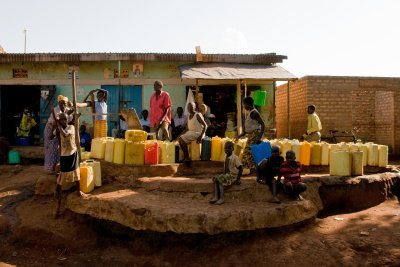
[[159, 198], [143, 210]]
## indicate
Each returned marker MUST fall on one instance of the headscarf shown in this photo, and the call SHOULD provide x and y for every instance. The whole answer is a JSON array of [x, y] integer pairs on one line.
[[62, 98]]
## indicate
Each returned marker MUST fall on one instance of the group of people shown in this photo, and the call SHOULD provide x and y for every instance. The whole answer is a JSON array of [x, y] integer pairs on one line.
[[267, 170], [60, 146], [59, 138]]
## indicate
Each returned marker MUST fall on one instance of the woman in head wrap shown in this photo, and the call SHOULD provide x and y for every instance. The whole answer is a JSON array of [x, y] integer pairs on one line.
[[51, 147]]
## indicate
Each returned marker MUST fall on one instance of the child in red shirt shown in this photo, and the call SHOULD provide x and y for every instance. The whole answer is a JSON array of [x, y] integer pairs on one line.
[[291, 171]]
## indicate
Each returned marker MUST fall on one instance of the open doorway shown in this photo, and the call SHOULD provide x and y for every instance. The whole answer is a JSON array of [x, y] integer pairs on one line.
[[14, 98]]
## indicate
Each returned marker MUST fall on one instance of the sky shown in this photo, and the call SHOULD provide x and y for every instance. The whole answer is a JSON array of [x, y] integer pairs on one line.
[[319, 37]]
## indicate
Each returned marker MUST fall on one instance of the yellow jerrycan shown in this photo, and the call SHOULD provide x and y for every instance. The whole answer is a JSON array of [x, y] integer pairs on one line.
[[305, 151], [315, 157], [109, 153], [340, 163], [285, 146], [98, 148], [222, 155], [135, 135], [134, 153], [119, 151], [383, 154], [357, 167], [296, 148], [167, 152], [85, 155], [215, 148], [96, 167], [195, 150], [325, 147], [373, 154], [86, 183]]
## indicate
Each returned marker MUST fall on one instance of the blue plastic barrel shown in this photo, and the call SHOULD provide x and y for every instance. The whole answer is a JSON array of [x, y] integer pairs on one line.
[[261, 151], [14, 157], [22, 140], [206, 148]]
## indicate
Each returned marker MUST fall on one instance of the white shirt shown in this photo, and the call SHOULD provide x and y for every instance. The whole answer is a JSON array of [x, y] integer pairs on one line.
[[180, 121], [145, 122], [123, 126], [100, 108]]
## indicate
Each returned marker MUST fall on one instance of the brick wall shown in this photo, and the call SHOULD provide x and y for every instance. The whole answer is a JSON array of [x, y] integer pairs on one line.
[[298, 109], [384, 117], [343, 103], [363, 113]]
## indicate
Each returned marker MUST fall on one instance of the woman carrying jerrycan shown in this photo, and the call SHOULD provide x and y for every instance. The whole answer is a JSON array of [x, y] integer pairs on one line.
[[254, 127]]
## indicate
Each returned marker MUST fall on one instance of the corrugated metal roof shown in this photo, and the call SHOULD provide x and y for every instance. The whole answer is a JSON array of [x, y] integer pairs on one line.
[[223, 71], [270, 58]]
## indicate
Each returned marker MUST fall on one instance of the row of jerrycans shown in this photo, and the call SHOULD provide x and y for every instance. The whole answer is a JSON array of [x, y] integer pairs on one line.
[[149, 152], [214, 148], [320, 153], [120, 151]]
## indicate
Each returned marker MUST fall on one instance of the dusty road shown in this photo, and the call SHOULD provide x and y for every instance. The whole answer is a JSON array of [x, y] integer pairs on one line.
[[31, 237]]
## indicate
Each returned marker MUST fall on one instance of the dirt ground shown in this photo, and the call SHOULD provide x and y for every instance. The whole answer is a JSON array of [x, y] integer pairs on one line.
[[29, 236]]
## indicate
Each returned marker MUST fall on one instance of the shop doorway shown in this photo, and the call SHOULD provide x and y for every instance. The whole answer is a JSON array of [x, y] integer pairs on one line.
[[119, 97], [14, 98]]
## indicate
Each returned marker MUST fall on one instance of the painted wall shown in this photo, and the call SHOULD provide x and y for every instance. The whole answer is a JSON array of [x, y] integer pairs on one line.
[[96, 74]]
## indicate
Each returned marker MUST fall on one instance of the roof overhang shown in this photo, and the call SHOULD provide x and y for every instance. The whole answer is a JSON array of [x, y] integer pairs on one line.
[[225, 71]]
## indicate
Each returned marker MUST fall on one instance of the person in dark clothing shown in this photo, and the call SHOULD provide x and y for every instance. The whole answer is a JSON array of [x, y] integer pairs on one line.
[[86, 140], [267, 169], [4, 148]]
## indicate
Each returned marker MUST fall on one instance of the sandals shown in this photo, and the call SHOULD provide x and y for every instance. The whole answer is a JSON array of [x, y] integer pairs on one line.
[[261, 181]]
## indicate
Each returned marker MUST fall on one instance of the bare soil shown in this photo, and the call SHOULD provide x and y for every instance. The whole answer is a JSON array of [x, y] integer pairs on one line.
[[29, 236]]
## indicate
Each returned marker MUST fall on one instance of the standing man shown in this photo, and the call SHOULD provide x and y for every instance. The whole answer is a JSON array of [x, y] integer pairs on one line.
[[160, 111], [313, 126]]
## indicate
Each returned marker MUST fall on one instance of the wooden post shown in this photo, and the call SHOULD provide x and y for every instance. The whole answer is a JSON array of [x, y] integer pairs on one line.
[[77, 139], [196, 96], [245, 88], [239, 108], [274, 105], [288, 108]]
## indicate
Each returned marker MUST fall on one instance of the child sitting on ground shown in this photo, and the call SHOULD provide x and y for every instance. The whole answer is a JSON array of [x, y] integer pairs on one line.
[[290, 170], [267, 169], [232, 172], [69, 160]]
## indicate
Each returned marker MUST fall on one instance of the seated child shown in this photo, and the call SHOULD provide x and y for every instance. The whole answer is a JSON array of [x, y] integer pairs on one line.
[[290, 170], [232, 172], [267, 169]]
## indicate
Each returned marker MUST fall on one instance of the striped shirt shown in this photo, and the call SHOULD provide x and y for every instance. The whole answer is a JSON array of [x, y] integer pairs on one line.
[[291, 172]]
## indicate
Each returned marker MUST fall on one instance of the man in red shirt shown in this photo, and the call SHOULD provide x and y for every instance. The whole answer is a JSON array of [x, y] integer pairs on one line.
[[160, 111]]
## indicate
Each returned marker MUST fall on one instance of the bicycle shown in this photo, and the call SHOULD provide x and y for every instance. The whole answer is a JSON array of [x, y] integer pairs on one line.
[[343, 136]]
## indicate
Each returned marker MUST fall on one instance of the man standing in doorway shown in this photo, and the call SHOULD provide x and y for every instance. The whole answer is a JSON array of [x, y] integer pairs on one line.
[[313, 126], [160, 111]]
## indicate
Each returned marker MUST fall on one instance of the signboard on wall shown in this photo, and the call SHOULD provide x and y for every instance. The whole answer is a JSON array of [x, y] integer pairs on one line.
[[137, 69]]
